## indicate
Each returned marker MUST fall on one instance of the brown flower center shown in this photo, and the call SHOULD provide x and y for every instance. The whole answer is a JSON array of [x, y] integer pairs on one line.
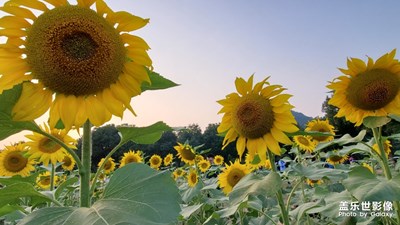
[[187, 153], [303, 141], [15, 162], [48, 146], [234, 176]]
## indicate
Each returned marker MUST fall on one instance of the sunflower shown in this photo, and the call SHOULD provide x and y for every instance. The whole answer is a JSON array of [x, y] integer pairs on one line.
[[81, 63], [198, 158], [43, 180], [14, 162], [109, 166], [192, 178], [155, 161], [130, 157], [218, 160], [231, 175], [68, 162], [185, 153], [321, 126], [369, 167], [168, 159], [253, 164], [178, 172], [46, 150], [305, 143], [204, 165], [257, 117], [312, 183], [335, 158], [386, 146], [367, 89]]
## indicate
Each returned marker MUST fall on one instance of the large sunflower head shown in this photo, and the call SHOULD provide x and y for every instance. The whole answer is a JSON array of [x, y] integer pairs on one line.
[[321, 126], [231, 175], [257, 117], [155, 161], [43, 180], [367, 89], [14, 162], [386, 146], [204, 165], [218, 160], [78, 60], [186, 153], [192, 178], [305, 143], [47, 150], [168, 159], [109, 166], [68, 163], [131, 156]]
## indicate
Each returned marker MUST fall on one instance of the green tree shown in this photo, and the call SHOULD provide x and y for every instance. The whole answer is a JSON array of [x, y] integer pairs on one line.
[[192, 134]]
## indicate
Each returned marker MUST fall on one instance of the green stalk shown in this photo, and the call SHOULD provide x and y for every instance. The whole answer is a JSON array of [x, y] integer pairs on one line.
[[96, 176], [86, 163], [279, 195], [292, 192], [377, 132], [52, 177]]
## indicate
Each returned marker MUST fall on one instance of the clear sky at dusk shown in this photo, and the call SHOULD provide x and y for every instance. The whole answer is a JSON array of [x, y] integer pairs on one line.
[[205, 45]]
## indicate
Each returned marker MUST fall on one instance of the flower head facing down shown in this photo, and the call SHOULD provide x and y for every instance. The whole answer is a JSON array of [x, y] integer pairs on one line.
[[231, 175], [321, 126], [80, 62], [109, 165], [386, 147], [257, 117], [46, 150], [186, 153], [367, 89], [14, 162], [131, 156]]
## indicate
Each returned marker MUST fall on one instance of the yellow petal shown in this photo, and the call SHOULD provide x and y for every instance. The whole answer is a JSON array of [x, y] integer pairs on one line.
[[81, 115], [85, 3], [139, 56], [102, 8], [7, 82], [68, 110], [139, 72], [13, 22], [54, 113], [96, 111], [57, 3], [112, 104], [240, 146], [130, 84], [134, 41], [12, 33], [280, 136], [128, 22], [33, 102], [241, 86], [34, 4], [280, 99], [272, 144], [19, 12]]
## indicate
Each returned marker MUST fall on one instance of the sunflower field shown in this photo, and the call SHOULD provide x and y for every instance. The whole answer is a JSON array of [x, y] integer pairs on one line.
[[81, 64]]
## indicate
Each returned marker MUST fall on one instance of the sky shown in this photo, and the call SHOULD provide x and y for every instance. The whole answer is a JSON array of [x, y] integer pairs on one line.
[[204, 45]]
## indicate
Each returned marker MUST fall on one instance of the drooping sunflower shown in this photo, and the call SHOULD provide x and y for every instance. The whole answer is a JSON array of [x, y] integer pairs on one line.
[[257, 117], [386, 146], [47, 150], [204, 165], [131, 156], [168, 159], [14, 162], [218, 160], [43, 180], [178, 172], [81, 63], [186, 153], [192, 178], [321, 126], [155, 161], [312, 183], [68, 162], [336, 158], [109, 166], [231, 175], [305, 143], [367, 89]]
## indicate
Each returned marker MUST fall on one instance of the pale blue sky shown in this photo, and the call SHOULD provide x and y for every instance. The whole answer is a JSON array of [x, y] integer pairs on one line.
[[205, 45]]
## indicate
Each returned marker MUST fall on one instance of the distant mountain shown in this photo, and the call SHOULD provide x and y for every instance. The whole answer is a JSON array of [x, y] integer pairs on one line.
[[301, 119]]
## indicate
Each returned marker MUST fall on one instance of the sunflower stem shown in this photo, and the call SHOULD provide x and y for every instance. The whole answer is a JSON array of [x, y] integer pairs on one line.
[[279, 195], [86, 162], [377, 132], [98, 172], [52, 172], [292, 192]]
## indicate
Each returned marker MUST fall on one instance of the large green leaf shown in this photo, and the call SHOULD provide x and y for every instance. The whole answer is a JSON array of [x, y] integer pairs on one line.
[[9, 127], [158, 82], [317, 173], [18, 179], [345, 139], [365, 186], [14, 192], [375, 121], [136, 194], [143, 135]]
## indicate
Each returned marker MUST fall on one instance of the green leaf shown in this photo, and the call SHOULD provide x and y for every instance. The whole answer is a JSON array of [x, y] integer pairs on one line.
[[332, 202], [9, 209], [158, 82], [253, 184], [375, 121], [18, 179], [395, 117], [14, 192], [345, 139], [9, 127], [187, 211], [136, 194], [143, 135], [365, 186], [317, 173], [64, 185]]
